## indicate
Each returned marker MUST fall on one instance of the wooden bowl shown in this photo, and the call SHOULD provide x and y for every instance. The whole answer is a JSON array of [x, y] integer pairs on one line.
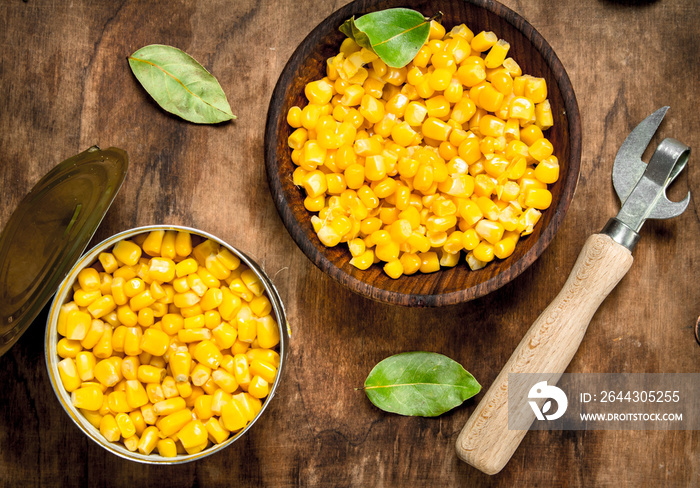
[[451, 285]]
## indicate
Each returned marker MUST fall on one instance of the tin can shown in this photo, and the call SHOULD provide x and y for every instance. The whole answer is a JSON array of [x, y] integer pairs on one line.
[[52, 337]]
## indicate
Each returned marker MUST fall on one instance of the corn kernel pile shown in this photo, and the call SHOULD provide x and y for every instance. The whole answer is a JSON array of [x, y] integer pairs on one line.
[[411, 166], [172, 352]]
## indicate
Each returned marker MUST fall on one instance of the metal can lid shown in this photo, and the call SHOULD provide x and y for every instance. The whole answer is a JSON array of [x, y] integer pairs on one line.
[[48, 232]]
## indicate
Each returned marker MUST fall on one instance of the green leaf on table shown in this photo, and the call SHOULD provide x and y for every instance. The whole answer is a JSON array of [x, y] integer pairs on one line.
[[424, 384], [395, 34], [180, 84]]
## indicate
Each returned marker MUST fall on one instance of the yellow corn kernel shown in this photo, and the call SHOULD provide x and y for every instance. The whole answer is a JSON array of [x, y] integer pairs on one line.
[[538, 198], [127, 252], [194, 321], [136, 395], [161, 269], [488, 208], [132, 341], [219, 399], [535, 89], [240, 370], [541, 149], [166, 447], [252, 282], [155, 393], [148, 440], [169, 406], [230, 304], [429, 262], [394, 269], [180, 365], [364, 260], [94, 334], [489, 98], [415, 113], [171, 323], [85, 363], [254, 405], [77, 325], [491, 126], [103, 348], [146, 317], [138, 420], [319, 92], [265, 355], [530, 134], [484, 252], [89, 279], [93, 417], [260, 388], [184, 389], [215, 431], [200, 374], [202, 407], [126, 426], [88, 398], [142, 300], [108, 371], [434, 128], [84, 298], [225, 380], [260, 306], [186, 299], [547, 170], [543, 115], [264, 370], [212, 319], [489, 231], [125, 272], [216, 267], [497, 54], [154, 342], [483, 41], [152, 244], [224, 335], [484, 185], [232, 418], [504, 248], [108, 261], [247, 329], [109, 428], [185, 267], [117, 402], [207, 353]]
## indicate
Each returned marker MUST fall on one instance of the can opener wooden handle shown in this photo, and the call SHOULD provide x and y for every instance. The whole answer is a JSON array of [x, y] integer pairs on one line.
[[486, 442]]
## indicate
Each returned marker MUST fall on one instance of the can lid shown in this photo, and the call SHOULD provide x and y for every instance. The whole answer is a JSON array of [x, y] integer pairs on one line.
[[48, 232]]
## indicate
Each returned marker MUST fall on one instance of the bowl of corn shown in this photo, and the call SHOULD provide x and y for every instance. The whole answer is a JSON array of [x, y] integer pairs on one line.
[[165, 344], [431, 184]]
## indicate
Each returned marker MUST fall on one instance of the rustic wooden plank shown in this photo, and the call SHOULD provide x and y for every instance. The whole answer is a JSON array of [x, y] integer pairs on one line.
[[66, 85]]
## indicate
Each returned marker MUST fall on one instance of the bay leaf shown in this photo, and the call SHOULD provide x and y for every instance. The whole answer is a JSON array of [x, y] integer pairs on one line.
[[395, 34], [180, 85], [419, 383], [350, 29]]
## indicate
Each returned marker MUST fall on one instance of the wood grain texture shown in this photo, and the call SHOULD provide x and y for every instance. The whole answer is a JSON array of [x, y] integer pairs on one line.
[[66, 85], [486, 442], [449, 286]]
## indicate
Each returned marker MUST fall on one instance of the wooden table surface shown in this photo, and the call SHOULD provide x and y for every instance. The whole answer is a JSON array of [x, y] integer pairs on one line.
[[65, 85]]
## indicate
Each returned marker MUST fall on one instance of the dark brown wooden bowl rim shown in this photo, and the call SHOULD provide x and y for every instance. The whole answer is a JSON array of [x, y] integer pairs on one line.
[[481, 289]]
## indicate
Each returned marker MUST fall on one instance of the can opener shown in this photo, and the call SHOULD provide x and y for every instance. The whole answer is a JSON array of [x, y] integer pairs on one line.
[[485, 442]]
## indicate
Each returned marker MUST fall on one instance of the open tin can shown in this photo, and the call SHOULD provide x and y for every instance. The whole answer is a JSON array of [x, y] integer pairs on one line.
[[40, 254], [64, 294]]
